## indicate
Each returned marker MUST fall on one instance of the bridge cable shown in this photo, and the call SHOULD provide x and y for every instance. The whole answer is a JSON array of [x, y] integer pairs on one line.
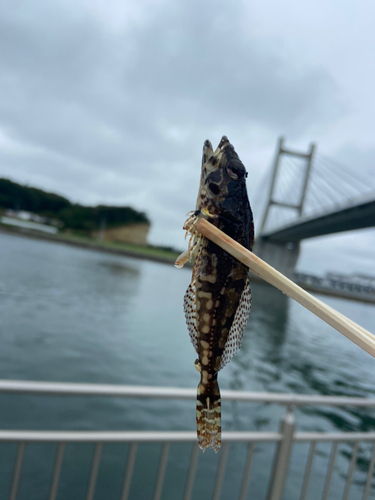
[[335, 181], [323, 190], [351, 179], [295, 186], [287, 190], [342, 168], [330, 188], [342, 184], [283, 182], [275, 216], [258, 200], [311, 196]]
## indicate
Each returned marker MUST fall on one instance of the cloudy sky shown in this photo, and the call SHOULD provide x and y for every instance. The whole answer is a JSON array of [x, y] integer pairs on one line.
[[110, 101]]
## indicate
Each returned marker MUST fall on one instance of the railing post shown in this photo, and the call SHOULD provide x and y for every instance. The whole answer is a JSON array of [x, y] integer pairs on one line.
[[282, 457]]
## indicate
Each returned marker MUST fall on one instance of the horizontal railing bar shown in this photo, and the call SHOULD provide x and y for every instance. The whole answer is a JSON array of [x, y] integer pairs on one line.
[[137, 391], [172, 436], [334, 436], [127, 436], [78, 389]]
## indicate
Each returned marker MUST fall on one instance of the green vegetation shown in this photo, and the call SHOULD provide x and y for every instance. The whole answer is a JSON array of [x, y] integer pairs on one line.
[[79, 220], [18, 197], [90, 218], [73, 216]]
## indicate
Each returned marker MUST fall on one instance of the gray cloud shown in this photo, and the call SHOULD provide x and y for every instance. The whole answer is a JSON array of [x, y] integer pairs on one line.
[[320, 255], [218, 72], [360, 160], [111, 103]]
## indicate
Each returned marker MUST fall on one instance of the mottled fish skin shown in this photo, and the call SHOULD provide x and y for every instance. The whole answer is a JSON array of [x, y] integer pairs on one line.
[[217, 302]]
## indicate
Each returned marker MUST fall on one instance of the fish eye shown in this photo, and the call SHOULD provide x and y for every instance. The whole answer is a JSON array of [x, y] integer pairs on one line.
[[236, 170], [214, 188]]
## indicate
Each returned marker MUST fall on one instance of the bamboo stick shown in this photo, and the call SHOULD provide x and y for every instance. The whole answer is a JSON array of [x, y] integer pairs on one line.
[[341, 323]]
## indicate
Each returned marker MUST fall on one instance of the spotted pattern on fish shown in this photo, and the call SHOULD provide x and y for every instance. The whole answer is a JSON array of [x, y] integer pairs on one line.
[[218, 300]]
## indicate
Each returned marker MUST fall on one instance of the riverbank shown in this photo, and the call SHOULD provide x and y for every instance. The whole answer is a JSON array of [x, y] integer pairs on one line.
[[126, 249], [153, 254]]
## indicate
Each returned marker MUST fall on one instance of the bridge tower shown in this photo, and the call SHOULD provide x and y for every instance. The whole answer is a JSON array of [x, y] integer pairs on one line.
[[283, 256]]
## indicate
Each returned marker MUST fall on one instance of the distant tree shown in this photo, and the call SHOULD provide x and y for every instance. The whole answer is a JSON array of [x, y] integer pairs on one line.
[[18, 197], [78, 217], [73, 216], [115, 216], [90, 218]]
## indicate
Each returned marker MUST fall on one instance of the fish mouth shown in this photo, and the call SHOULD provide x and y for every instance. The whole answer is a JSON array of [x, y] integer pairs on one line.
[[207, 152], [224, 141], [213, 157], [211, 161]]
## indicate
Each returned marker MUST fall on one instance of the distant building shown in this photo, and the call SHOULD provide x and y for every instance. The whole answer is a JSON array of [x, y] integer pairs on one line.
[[129, 233], [30, 216], [345, 285], [28, 224], [354, 279]]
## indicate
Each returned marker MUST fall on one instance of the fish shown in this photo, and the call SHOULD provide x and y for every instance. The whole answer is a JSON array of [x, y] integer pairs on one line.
[[218, 299]]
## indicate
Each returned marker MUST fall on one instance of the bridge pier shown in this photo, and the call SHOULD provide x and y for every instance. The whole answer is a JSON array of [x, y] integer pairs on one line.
[[282, 256]]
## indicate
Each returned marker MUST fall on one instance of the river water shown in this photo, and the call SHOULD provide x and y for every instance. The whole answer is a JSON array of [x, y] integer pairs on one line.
[[72, 315]]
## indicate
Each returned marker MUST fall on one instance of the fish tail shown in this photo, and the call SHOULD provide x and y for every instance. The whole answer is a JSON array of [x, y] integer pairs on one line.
[[209, 415]]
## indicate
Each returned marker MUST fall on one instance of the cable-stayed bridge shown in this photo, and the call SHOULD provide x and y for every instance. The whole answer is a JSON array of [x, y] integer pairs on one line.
[[311, 195]]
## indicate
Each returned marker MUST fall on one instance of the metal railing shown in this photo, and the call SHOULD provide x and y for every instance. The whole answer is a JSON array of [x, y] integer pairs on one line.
[[284, 439]]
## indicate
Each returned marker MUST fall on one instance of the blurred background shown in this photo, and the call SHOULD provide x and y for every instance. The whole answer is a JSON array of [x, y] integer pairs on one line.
[[104, 108]]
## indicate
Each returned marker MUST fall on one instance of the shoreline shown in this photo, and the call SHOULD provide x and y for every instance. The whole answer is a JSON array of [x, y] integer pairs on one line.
[[149, 255], [88, 245]]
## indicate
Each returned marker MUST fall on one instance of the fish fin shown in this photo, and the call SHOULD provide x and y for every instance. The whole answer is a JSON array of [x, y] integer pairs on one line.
[[237, 330], [209, 416], [182, 259], [191, 314]]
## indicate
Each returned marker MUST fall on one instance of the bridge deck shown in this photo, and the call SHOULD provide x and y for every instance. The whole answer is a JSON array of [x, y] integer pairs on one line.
[[358, 215]]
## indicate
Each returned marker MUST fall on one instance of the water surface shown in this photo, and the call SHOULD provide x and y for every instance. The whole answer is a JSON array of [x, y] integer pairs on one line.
[[73, 315]]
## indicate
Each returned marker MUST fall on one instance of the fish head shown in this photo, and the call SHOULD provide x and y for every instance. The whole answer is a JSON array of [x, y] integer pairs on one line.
[[223, 180]]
